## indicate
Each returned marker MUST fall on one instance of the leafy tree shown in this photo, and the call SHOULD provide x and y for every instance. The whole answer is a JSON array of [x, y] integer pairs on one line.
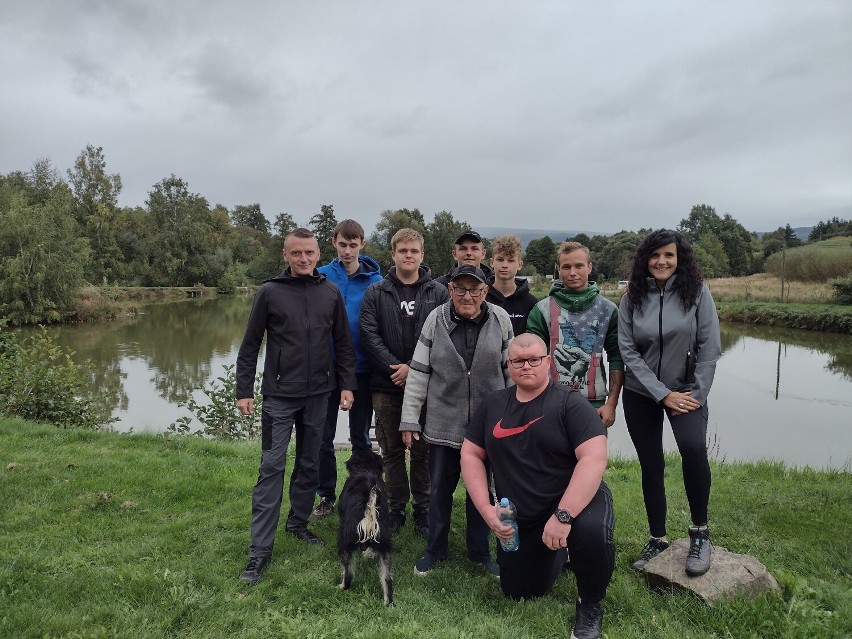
[[379, 244], [322, 224], [42, 255], [541, 254], [283, 224], [711, 256], [830, 228], [735, 239], [250, 215], [180, 235], [439, 240], [771, 245], [613, 261]]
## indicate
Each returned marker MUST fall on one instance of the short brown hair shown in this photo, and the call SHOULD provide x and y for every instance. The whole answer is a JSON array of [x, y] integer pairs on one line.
[[406, 235], [301, 233], [508, 245], [349, 229], [570, 247]]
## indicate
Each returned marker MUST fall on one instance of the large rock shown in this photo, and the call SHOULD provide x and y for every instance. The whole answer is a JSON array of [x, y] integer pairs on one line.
[[730, 574]]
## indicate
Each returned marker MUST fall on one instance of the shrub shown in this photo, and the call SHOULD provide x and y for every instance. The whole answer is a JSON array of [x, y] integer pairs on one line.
[[814, 262], [219, 417], [39, 381], [842, 288]]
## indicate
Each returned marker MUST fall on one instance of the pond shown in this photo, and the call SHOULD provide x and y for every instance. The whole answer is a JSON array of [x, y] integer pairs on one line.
[[779, 394]]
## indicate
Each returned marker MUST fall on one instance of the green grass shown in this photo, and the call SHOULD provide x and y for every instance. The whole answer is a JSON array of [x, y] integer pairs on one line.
[[111, 535], [815, 317]]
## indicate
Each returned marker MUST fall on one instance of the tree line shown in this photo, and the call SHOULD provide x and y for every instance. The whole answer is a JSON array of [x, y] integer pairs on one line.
[[59, 234]]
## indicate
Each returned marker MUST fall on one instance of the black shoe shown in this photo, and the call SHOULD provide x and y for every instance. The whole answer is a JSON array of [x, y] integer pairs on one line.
[[425, 564], [255, 566], [307, 536], [397, 520], [490, 566], [698, 557], [587, 621], [653, 548], [324, 508], [421, 522]]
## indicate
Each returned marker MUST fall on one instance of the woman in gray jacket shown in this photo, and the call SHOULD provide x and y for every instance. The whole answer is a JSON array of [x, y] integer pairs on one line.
[[668, 334]]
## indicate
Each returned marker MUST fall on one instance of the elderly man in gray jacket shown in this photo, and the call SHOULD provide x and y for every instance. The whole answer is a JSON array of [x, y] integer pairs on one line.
[[459, 359]]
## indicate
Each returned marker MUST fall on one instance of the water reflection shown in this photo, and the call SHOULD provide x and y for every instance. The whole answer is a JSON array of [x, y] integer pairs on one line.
[[779, 394]]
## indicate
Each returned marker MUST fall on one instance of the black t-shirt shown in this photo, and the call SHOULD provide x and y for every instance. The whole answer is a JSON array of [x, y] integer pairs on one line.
[[530, 445], [407, 299]]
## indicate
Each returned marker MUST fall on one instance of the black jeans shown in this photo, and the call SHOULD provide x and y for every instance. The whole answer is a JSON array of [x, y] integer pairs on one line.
[[531, 570], [644, 419], [444, 474], [360, 416]]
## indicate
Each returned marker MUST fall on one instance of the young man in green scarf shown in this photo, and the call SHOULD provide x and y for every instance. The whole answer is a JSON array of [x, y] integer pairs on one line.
[[578, 325]]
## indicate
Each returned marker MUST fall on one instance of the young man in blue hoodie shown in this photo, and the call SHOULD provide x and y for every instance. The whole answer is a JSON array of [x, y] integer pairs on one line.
[[353, 273]]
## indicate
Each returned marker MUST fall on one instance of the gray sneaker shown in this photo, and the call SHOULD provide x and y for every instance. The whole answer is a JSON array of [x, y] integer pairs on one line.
[[698, 557], [653, 548], [324, 508]]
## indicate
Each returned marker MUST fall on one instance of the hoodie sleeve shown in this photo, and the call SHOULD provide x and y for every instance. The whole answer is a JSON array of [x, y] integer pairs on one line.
[[344, 351], [537, 325], [613, 353], [632, 359], [709, 347]]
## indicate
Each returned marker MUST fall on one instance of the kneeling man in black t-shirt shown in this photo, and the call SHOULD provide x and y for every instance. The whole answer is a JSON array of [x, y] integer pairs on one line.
[[546, 447]]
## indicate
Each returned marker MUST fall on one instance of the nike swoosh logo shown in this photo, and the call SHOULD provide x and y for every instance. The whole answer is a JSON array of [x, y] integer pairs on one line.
[[500, 432]]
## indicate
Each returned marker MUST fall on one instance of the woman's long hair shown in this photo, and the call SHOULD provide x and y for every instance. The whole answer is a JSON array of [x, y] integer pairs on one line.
[[689, 279]]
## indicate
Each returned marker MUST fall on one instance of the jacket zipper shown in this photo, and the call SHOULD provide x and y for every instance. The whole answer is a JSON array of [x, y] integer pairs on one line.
[[660, 329]]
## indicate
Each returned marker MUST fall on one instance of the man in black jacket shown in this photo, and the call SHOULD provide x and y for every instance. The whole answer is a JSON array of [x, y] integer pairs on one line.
[[392, 314], [510, 293], [467, 249], [302, 315]]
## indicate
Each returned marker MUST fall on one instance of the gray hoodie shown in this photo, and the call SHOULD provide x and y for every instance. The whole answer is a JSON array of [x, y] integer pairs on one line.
[[663, 344]]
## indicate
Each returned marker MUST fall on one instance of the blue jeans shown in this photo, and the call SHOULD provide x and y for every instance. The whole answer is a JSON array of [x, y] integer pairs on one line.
[[360, 417], [278, 418]]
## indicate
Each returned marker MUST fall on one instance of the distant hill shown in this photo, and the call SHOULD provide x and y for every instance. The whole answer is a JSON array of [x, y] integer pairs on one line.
[[802, 232], [526, 235]]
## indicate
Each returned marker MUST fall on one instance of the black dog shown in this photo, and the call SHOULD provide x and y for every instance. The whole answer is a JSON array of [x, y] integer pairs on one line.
[[364, 525]]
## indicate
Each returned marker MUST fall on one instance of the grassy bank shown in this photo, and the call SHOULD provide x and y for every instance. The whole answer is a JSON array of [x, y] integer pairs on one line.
[[109, 535], [94, 303], [814, 317]]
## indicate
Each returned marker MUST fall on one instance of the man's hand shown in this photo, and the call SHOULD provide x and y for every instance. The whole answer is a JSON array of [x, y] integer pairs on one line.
[[400, 374], [502, 531], [346, 400], [555, 535], [408, 436], [245, 405], [607, 413]]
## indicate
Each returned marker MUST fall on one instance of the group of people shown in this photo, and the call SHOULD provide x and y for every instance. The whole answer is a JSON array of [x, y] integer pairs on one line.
[[479, 380]]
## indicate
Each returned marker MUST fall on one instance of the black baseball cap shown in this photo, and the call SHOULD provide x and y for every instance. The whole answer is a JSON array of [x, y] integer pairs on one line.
[[469, 235], [469, 270]]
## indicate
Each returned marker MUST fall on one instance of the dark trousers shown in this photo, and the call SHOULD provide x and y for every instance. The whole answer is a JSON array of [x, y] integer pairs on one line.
[[360, 416], [388, 408], [278, 418], [532, 570], [644, 419], [444, 474]]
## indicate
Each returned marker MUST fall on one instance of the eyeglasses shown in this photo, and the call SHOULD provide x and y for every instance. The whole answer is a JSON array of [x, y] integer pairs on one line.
[[475, 293], [532, 361]]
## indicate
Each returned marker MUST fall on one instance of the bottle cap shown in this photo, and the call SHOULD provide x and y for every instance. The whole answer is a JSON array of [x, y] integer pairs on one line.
[[504, 502]]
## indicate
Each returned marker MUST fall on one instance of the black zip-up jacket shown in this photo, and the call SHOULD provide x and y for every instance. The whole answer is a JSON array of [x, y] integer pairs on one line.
[[381, 325], [518, 305], [301, 317]]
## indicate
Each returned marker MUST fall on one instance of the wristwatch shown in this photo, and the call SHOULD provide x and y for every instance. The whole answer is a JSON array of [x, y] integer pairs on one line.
[[563, 516]]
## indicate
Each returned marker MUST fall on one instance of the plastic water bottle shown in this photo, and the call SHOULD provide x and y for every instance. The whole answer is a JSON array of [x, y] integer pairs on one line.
[[507, 514]]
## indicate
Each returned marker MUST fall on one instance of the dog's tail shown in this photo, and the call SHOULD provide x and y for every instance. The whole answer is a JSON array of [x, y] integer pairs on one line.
[[368, 528]]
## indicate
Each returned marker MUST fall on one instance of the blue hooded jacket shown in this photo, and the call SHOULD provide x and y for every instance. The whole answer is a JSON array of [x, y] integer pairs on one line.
[[352, 289]]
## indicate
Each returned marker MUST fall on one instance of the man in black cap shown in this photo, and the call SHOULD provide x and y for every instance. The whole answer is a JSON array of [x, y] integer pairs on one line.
[[468, 249], [459, 359]]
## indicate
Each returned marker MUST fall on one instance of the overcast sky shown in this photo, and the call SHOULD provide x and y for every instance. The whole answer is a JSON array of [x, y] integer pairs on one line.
[[598, 116]]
